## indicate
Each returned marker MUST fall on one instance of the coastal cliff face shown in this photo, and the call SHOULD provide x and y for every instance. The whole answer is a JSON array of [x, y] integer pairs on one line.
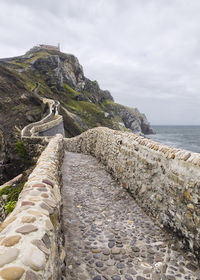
[[84, 104], [17, 108]]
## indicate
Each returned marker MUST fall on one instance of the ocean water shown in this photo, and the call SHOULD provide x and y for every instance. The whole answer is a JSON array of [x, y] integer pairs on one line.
[[184, 137]]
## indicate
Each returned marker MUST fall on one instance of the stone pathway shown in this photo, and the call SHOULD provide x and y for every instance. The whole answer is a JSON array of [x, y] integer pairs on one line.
[[108, 237]]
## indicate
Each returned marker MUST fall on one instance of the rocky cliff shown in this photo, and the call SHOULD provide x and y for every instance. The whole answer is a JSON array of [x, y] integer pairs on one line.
[[18, 107], [83, 103]]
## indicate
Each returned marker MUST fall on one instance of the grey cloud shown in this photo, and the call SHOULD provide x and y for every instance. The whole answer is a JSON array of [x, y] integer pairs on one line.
[[146, 52]]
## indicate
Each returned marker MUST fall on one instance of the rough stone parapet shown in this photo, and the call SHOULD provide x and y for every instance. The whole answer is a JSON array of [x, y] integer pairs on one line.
[[31, 236], [2, 210], [56, 129], [163, 180], [52, 119], [35, 136], [35, 130], [26, 131]]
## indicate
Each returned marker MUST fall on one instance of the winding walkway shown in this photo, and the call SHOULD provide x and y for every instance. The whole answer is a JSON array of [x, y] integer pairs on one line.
[[107, 235]]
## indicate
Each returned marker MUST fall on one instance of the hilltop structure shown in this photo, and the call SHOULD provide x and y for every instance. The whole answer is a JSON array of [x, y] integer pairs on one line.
[[50, 47]]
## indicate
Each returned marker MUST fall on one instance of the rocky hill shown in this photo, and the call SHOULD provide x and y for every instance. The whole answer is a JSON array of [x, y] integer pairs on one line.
[[83, 103]]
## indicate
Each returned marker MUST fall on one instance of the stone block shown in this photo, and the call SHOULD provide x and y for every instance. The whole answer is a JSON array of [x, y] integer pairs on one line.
[[8, 255], [27, 229], [30, 275], [11, 240], [34, 258], [12, 273], [6, 223], [187, 195]]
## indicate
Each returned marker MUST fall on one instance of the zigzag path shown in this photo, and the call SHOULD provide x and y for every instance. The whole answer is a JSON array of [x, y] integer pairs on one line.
[[108, 237]]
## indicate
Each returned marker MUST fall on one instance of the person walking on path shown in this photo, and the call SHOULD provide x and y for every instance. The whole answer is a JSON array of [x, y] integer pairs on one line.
[[54, 109]]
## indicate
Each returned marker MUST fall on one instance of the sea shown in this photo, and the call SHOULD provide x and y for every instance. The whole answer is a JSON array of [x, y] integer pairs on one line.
[[178, 136]]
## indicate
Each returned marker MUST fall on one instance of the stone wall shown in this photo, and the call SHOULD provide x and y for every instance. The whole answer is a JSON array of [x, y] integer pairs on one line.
[[35, 136], [56, 129], [31, 242], [2, 209], [164, 181], [49, 47], [26, 131], [31, 238], [47, 127]]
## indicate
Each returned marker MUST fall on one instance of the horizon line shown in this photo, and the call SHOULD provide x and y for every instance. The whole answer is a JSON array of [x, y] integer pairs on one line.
[[174, 124]]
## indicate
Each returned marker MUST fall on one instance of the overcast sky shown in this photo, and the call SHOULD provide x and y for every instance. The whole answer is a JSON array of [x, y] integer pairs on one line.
[[145, 52]]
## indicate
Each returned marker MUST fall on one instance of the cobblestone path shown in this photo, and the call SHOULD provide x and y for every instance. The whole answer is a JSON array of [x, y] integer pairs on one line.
[[107, 235]]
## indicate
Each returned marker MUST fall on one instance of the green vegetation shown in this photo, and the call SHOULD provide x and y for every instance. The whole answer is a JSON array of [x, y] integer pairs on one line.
[[40, 54], [10, 206], [26, 61], [27, 77], [70, 90], [86, 93], [18, 64], [21, 150], [30, 82], [30, 85], [117, 106], [44, 89], [108, 101], [106, 104], [12, 196], [91, 113], [72, 128]]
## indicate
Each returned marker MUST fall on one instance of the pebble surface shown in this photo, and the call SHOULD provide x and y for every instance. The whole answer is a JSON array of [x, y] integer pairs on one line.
[[108, 236]]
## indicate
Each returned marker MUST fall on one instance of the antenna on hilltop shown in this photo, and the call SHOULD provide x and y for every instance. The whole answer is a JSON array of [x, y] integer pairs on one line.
[[59, 46]]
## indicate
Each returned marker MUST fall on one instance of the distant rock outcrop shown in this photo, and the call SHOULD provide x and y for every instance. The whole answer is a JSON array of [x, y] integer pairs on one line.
[[132, 118], [60, 69]]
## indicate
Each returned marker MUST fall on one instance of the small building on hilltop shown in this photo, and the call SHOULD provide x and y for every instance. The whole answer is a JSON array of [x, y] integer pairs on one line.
[[49, 47]]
